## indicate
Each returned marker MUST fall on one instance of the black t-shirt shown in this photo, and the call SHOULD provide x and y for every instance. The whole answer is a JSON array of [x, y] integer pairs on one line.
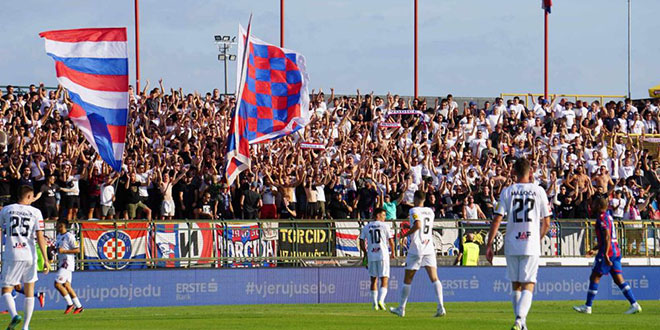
[[566, 210], [251, 201], [485, 203], [338, 210], [5, 185], [134, 193], [48, 195], [367, 198]]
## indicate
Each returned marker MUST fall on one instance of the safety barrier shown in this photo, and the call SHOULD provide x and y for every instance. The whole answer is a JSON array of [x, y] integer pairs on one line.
[[583, 97], [125, 244]]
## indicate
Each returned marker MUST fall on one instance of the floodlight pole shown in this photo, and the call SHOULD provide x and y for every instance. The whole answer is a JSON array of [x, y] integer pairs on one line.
[[545, 62], [137, 49], [281, 23], [629, 35], [225, 52], [416, 53]]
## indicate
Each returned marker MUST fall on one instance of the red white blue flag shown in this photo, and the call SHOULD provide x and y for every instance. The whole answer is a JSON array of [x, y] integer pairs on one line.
[[92, 64], [546, 5], [273, 98]]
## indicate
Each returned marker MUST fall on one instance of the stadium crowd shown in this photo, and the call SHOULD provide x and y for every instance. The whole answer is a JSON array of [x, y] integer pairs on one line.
[[357, 153]]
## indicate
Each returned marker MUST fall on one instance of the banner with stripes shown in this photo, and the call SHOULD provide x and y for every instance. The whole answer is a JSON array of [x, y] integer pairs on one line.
[[347, 235], [92, 64]]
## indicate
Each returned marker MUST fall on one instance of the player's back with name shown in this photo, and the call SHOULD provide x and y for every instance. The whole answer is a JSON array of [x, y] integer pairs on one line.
[[377, 235], [19, 223], [524, 205], [421, 241]]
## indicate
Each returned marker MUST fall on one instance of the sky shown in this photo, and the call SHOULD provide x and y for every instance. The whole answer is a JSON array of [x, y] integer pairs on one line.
[[466, 47]]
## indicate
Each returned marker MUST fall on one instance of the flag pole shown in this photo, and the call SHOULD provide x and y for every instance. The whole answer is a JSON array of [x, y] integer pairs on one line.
[[545, 62], [416, 52], [137, 49], [281, 23]]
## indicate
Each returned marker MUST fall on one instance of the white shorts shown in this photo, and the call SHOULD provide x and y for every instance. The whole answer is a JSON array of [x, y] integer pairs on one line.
[[522, 269], [167, 208], [64, 275], [415, 262], [380, 268], [18, 272]]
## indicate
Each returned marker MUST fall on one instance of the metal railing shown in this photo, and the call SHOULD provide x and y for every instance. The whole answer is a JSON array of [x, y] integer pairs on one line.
[[303, 243], [574, 97]]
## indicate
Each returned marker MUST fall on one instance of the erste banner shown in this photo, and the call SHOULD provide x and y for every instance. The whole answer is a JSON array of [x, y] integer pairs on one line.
[[119, 244], [183, 240], [244, 243]]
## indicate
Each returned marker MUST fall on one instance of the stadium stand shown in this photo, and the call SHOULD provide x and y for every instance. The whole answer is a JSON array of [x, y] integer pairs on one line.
[[366, 150]]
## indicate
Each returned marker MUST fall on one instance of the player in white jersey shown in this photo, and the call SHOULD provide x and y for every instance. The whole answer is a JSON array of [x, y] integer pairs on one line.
[[20, 224], [67, 247], [377, 243], [421, 253], [527, 209]]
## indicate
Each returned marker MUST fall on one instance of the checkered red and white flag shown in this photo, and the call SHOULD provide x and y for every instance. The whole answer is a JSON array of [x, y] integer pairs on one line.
[[273, 98]]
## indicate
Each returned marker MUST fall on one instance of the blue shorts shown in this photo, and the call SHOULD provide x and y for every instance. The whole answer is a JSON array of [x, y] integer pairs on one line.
[[601, 267]]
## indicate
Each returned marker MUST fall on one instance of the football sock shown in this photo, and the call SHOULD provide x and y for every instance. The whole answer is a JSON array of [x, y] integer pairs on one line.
[[438, 291], [515, 297], [382, 295], [29, 307], [591, 294], [405, 292], [374, 296], [67, 298], [627, 292], [11, 304], [77, 302], [524, 304]]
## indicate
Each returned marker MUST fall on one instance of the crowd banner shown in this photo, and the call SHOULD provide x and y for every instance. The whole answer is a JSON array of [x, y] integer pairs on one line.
[[305, 239], [244, 244], [404, 112], [192, 240], [389, 125], [312, 145], [200, 286], [565, 240], [348, 235], [115, 245]]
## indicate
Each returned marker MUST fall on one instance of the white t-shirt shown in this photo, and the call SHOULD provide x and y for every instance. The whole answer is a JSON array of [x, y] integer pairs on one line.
[[376, 234], [66, 241], [626, 171], [524, 205], [421, 241], [618, 207], [515, 110], [107, 193], [569, 114], [19, 224], [75, 190]]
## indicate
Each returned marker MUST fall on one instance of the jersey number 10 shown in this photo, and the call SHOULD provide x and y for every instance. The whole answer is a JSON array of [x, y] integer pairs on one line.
[[375, 236], [20, 226], [522, 207]]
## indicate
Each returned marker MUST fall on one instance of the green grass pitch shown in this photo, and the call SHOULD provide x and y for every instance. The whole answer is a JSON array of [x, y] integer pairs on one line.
[[470, 315]]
